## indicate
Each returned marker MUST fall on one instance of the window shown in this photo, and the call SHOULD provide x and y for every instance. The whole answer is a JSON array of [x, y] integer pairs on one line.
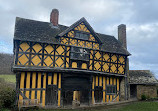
[[111, 89], [82, 35], [79, 53]]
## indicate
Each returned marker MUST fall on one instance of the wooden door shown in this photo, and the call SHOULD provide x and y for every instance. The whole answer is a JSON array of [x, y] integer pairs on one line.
[[67, 97], [51, 95], [98, 93]]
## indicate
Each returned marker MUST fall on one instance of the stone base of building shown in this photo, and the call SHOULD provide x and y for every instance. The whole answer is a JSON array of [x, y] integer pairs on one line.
[[136, 91], [149, 91]]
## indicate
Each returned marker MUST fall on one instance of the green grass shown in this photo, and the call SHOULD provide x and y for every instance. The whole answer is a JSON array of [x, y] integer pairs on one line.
[[138, 106], [9, 78], [4, 110]]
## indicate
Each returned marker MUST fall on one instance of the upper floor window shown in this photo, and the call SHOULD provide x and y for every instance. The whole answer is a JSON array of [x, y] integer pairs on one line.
[[111, 89], [79, 53], [81, 35]]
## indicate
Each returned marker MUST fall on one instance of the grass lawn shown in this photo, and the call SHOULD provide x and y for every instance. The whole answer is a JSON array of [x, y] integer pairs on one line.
[[9, 78], [138, 106]]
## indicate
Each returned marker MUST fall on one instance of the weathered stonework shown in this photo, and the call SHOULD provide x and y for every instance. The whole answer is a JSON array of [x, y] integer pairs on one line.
[[149, 91], [122, 90], [142, 82], [54, 17], [75, 103], [122, 35], [141, 77], [128, 78]]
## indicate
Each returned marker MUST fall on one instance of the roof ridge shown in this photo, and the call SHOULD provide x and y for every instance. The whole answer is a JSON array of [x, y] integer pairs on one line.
[[39, 31], [20, 18], [104, 34], [86, 24]]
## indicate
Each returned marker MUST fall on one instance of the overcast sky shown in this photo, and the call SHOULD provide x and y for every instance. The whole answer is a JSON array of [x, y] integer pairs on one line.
[[140, 17]]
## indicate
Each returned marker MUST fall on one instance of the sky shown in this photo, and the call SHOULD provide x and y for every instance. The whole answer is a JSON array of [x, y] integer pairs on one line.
[[140, 17]]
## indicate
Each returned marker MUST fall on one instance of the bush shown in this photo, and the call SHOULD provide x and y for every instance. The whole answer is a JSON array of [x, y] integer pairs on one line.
[[143, 97], [7, 96], [148, 97]]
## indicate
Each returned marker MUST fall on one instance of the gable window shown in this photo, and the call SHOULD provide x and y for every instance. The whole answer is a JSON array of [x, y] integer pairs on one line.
[[111, 89], [81, 35], [78, 53]]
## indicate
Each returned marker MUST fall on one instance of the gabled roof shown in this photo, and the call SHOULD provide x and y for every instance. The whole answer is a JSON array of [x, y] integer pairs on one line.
[[76, 24], [141, 77], [111, 44], [37, 31]]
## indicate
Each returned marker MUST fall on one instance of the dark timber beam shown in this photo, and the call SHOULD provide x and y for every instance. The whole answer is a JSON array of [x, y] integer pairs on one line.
[[47, 69]]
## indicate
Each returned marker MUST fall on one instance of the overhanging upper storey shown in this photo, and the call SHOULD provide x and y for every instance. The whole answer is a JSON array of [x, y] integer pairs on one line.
[[42, 45], [37, 31]]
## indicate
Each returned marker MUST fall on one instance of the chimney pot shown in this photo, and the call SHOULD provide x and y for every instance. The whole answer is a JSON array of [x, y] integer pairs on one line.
[[54, 16], [122, 35]]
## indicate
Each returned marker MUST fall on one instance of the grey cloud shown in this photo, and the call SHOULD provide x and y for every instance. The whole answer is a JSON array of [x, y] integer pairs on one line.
[[136, 65], [145, 11], [104, 16], [142, 42]]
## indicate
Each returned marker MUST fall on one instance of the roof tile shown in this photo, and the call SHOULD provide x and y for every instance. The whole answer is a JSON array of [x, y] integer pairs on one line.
[[31, 30]]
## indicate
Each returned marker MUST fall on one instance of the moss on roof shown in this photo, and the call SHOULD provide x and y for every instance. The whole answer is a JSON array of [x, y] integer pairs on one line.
[[141, 77]]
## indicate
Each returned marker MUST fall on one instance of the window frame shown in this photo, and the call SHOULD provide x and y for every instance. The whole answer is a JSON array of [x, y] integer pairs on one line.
[[111, 89], [81, 32], [74, 52]]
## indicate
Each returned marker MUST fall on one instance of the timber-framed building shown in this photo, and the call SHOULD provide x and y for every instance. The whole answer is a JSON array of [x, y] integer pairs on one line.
[[57, 65]]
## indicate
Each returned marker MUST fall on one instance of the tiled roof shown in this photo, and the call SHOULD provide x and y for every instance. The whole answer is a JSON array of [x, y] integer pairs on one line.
[[141, 77], [31, 30]]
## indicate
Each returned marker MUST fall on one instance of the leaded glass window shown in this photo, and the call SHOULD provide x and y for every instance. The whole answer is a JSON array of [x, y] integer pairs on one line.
[[79, 53], [81, 35]]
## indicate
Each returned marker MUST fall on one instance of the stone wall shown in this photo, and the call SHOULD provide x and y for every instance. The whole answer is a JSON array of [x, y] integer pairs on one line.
[[122, 35], [128, 78], [122, 90], [148, 90]]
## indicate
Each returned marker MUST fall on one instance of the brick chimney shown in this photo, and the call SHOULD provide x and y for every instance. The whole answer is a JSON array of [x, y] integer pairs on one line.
[[54, 16], [122, 35]]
